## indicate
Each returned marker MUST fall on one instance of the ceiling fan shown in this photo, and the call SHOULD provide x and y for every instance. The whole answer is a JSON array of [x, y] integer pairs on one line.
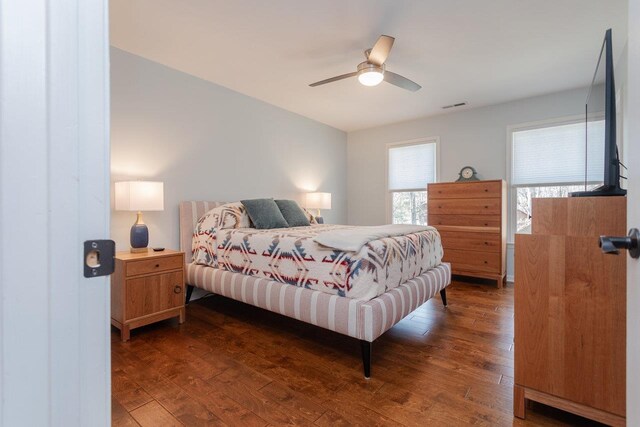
[[373, 71]]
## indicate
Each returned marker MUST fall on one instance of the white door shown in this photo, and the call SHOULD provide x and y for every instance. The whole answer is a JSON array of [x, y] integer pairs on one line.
[[632, 116], [54, 194]]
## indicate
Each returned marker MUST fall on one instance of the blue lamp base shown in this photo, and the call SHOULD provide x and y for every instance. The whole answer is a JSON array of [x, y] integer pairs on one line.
[[139, 236]]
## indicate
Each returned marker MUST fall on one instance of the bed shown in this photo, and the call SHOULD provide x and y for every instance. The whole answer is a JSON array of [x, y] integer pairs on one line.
[[352, 309]]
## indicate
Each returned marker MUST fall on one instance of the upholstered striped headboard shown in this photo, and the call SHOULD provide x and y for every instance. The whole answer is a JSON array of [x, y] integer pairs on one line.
[[190, 213]]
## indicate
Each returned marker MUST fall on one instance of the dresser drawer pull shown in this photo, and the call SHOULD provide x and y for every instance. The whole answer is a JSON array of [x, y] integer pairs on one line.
[[486, 262], [157, 265], [177, 289]]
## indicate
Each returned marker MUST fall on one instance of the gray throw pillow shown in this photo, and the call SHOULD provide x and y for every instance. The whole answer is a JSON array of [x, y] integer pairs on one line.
[[292, 213], [264, 213]]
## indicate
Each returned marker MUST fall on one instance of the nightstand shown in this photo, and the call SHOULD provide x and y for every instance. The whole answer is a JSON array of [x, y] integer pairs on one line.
[[146, 288]]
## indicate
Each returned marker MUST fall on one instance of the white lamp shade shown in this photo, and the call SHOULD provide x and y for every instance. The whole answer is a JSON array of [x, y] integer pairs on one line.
[[139, 196], [318, 201]]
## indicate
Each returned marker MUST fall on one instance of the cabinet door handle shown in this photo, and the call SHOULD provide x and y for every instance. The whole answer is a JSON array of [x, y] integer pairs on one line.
[[177, 289]]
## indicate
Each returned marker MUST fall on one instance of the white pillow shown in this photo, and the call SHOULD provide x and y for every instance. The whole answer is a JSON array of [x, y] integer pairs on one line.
[[204, 244]]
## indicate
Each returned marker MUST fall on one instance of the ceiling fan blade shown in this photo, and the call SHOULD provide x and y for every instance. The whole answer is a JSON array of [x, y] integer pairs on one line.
[[403, 82], [333, 79], [380, 51]]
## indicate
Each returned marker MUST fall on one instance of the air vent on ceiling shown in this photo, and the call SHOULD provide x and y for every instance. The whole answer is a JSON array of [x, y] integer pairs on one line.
[[459, 104]]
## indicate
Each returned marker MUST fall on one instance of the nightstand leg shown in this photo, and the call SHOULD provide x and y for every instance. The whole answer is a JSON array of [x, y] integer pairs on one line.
[[182, 315], [125, 333]]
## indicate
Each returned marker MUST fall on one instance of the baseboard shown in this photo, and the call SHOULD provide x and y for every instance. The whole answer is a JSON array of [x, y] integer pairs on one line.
[[509, 278]]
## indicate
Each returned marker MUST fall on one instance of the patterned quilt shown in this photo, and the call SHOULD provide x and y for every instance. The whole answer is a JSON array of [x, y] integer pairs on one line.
[[289, 255]]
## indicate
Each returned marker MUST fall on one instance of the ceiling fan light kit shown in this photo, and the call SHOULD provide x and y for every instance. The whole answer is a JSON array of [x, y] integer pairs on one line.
[[370, 74], [373, 71]]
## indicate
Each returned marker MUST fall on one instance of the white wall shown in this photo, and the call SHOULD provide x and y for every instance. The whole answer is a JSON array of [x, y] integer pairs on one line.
[[207, 142], [476, 137]]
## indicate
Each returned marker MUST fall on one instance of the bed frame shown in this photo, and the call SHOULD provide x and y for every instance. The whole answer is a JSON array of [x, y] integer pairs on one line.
[[363, 320]]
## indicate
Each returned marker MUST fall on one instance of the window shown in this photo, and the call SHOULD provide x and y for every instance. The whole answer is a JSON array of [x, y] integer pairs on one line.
[[550, 161], [410, 167], [525, 194]]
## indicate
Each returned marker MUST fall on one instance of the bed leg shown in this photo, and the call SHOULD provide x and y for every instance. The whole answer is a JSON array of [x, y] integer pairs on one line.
[[366, 357], [443, 295], [189, 292]]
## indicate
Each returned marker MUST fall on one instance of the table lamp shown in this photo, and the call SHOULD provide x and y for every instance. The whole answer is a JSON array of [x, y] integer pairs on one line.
[[318, 201], [138, 196]]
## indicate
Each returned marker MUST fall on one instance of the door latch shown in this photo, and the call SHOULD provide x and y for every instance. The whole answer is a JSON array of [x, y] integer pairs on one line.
[[612, 245], [98, 257]]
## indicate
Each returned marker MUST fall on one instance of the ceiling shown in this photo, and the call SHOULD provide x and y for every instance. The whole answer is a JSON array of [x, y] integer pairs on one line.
[[481, 52]]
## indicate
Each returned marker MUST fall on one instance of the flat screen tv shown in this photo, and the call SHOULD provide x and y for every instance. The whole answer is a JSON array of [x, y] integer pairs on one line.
[[602, 93]]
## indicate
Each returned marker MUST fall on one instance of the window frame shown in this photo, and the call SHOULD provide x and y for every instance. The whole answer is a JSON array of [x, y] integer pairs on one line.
[[512, 192], [418, 141]]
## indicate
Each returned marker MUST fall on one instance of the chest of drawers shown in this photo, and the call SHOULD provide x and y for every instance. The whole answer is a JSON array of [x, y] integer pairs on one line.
[[471, 219]]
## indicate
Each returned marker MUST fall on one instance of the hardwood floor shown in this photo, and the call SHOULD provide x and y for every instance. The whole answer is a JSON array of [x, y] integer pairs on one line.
[[233, 364]]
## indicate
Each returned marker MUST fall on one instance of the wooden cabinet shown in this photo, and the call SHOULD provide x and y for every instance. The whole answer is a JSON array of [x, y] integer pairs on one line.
[[146, 288], [471, 219], [570, 309]]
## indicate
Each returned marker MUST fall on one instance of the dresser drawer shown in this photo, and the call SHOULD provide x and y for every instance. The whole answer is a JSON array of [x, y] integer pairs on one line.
[[465, 206], [487, 262], [491, 221], [488, 242], [465, 190], [154, 265], [152, 294]]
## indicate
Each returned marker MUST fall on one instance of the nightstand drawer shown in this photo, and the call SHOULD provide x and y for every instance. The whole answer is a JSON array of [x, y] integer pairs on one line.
[[152, 294], [154, 265]]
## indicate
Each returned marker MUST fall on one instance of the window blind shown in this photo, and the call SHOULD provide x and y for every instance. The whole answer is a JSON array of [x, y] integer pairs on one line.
[[556, 155], [412, 166]]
